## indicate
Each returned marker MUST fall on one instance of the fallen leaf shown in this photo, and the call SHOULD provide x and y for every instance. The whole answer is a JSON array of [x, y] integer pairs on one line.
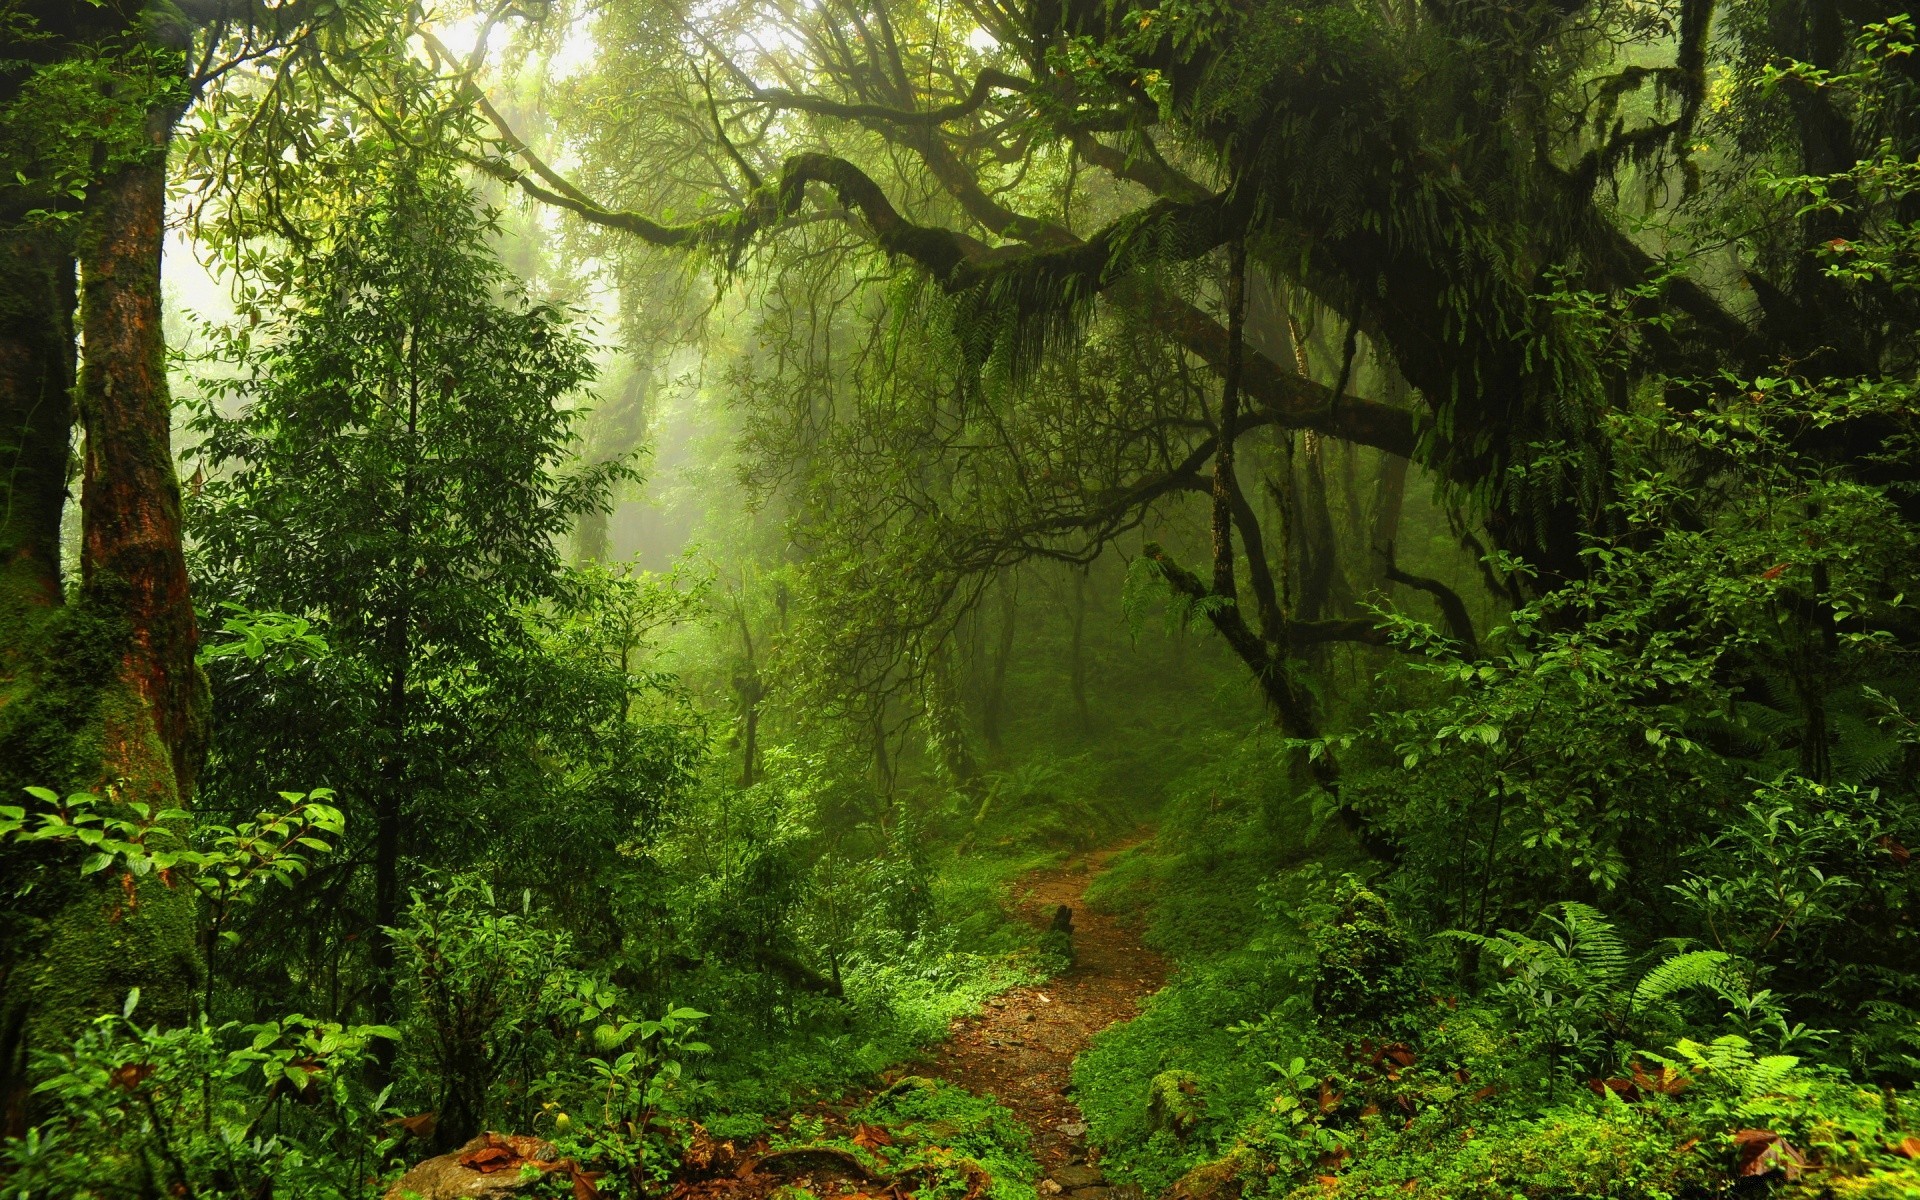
[[871, 1137], [1666, 1081], [1908, 1148], [1763, 1150], [1329, 1099], [490, 1158], [420, 1125], [583, 1181]]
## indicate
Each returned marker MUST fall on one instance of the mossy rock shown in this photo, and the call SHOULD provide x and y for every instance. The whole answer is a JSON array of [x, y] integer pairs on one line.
[[1222, 1179], [1175, 1103], [1361, 977]]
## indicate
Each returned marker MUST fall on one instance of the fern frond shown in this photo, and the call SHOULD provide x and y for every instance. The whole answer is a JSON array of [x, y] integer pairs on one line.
[[1596, 945], [1479, 941], [1695, 968], [1766, 1075]]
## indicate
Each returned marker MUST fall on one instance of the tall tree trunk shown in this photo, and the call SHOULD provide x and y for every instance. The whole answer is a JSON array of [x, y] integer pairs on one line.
[[37, 299], [390, 835], [132, 554], [1389, 500], [102, 695], [1077, 673], [36, 424]]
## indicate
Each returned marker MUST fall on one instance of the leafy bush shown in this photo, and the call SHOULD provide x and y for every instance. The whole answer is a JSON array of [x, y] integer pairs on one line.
[[203, 1110]]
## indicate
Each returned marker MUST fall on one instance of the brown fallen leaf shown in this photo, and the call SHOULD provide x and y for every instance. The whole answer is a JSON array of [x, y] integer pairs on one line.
[[490, 1159], [420, 1125], [1666, 1081], [1763, 1150], [583, 1182], [871, 1137], [1329, 1099]]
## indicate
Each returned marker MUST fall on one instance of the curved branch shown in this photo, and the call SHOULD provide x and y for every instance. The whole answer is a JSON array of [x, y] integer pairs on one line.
[[1452, 607], [986, 83]]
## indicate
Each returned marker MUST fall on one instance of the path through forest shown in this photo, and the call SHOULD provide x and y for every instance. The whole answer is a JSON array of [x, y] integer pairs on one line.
[[1020, 1049]]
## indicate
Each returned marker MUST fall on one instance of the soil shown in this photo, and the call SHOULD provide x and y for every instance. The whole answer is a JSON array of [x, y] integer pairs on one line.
[[1020, 1049]]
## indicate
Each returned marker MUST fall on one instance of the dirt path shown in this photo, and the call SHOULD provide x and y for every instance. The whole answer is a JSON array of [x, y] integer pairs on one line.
[[1020, 1050]]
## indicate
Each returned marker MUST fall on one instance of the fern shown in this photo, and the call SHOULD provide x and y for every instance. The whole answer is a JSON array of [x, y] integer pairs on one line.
[[1695, 968], [1594, 942], [1767, 1074]]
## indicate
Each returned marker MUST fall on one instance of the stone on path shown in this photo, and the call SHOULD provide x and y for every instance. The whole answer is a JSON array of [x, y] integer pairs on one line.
[[1071, 1178]]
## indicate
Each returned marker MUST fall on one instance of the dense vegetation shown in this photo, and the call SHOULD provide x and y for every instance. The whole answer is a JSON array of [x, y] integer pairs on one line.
[[624, 527]]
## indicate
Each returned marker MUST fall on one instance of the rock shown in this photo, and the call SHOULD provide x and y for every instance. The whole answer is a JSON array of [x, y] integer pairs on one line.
[[1129, 1191], [1217, 1180], [445, 1177], [1073, 1178], [1049, 1188], [1092, 1193], [1074, 1129]]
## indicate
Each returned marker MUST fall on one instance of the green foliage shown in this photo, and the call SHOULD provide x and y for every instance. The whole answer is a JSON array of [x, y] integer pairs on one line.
[[206, 1110], [481, 981], [388, 477], [959, 1144], [1360, 955]]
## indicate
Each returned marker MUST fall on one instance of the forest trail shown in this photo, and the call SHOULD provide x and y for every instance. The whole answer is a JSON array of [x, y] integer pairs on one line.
[[1019, 1051], [1020, 1048]]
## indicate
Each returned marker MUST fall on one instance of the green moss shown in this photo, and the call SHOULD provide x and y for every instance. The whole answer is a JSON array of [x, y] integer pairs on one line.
[[1360, 974], [77, 945], [1624, 1153]]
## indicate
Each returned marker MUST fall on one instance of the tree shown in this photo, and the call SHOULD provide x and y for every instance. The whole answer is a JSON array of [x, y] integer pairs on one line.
[[102, 693], [394, 472]]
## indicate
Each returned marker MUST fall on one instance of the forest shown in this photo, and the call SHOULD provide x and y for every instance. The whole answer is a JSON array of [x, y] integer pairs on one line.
[[959, 599]]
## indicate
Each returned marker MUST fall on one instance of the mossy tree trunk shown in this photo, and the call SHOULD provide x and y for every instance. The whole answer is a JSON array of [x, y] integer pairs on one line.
[[130, 505], [102, 694], [36, 411]]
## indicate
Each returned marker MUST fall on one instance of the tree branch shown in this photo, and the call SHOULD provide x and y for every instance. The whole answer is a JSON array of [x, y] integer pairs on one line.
[[1452, 608], [986, 83]]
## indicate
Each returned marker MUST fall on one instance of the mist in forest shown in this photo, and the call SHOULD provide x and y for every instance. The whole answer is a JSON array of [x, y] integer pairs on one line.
[[1114, 600]]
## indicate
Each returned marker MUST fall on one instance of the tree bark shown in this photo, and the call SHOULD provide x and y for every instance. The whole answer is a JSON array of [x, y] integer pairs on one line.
[[37, 300], [132, 554], [102, 695], [994, 706]]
